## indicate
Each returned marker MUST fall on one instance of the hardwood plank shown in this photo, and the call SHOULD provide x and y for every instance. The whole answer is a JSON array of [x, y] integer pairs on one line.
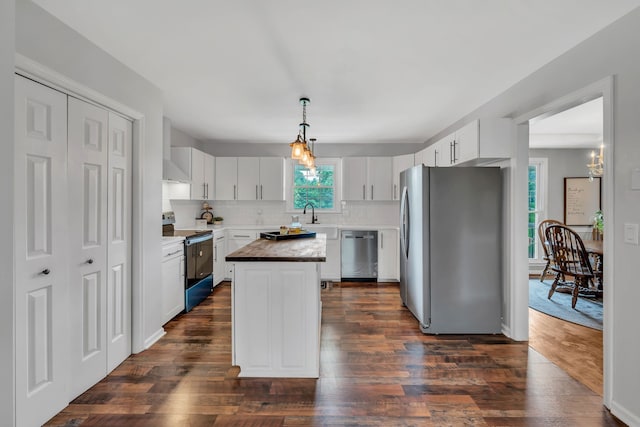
[[377, 369], [576, 349]]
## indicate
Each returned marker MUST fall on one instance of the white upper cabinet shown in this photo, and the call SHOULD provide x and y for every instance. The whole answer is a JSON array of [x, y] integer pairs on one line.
[[438, 154], [199, 167], [400, 163], [367, 178], [226, 178], [250, 178], [418, 158], [479, 142], [444, 151], [271, 178]]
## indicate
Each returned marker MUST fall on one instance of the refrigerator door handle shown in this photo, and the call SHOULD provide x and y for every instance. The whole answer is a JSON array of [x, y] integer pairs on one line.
[[404, 214]]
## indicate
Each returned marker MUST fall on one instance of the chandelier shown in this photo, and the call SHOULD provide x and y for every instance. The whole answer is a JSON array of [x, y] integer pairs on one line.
[[596, 167], [300, 149]]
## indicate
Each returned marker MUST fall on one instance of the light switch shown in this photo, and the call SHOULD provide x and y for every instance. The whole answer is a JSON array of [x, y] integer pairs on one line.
[[631, 233]]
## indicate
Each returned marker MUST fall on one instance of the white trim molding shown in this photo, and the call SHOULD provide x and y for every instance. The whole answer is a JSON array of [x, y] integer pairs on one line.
[[602, 88]]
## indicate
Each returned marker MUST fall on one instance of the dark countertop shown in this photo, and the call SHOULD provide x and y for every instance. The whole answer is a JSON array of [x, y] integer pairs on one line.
[[295, 250]]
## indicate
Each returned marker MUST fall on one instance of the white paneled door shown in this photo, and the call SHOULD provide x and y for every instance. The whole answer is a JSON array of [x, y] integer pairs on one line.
[[87, 171], [72, 206], [41, 290], [119, 241], [99, 242]]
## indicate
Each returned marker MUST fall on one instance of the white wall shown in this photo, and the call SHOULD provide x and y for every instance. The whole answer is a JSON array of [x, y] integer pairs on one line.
[[42, 38], [562, 163], [7, 388], [611, 52], [182, 139]]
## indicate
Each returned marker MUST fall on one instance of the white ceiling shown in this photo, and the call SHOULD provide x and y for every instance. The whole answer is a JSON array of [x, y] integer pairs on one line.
[[578, 127], [375, 70]]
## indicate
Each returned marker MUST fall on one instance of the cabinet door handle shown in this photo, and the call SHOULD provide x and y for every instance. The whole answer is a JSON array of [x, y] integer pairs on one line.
[[173, 253], [395, 191], [215, 254], [261, 192], [455, 157], [435, 157], [364, 189], [381, 241], [451, 153], [89, 261], [46, 271], [372, 192], [234, 192], [256, 191]]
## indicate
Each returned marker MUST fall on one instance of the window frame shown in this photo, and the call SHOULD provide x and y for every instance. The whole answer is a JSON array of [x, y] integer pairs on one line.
[[542, 191], [337, 181]]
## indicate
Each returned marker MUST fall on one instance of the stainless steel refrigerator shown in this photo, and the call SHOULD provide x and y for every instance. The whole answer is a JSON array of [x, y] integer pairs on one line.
[[451, 248]]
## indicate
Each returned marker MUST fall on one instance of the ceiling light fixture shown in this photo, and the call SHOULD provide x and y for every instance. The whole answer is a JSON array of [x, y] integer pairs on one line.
[[300, 149], [596, 167]]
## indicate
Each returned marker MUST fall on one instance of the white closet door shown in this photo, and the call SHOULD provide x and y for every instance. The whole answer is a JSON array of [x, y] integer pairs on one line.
[[41, 295], [119, 242], [87, 171]]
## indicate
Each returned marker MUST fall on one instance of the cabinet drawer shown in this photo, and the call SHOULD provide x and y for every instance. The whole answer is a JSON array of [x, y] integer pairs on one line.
[[172, 250]]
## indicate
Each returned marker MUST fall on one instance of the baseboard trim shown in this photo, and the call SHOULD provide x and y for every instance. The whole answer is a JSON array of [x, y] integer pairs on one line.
[[624, 414], [154, 338]]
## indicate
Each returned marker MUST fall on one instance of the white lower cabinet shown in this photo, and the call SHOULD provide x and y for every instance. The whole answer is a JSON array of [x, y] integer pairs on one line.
[[172, 280], [388, 255], [330, 270], [237, 238], [219, 252], [276, 313]]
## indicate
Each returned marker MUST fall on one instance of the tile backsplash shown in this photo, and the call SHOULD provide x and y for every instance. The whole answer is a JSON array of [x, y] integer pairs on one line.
[[274, 213]]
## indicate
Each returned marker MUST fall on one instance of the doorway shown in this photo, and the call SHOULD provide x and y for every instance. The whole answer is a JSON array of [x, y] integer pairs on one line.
[[561, 146], [520, 265]]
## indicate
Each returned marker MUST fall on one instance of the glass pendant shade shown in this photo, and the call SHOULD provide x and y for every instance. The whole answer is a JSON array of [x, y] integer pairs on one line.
[[305, 156], [297, 148]]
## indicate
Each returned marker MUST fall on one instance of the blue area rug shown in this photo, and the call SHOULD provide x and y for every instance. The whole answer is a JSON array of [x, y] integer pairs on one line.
[[588, 311]]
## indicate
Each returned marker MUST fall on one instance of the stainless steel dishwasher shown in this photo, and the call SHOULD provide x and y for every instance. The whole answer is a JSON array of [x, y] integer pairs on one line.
[[359, 255]]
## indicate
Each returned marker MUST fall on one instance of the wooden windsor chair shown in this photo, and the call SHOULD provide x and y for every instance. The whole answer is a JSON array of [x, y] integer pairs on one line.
[[569, 258]]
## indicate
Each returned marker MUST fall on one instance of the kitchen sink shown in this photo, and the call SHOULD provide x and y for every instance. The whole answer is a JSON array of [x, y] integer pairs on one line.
[[330, 230]]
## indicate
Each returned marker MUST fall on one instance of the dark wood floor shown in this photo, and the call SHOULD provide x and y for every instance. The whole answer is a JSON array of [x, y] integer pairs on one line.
[[576, 349], [376, 369]]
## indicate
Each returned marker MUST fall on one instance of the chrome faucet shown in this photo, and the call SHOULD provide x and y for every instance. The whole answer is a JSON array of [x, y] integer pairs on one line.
[[314, 218]]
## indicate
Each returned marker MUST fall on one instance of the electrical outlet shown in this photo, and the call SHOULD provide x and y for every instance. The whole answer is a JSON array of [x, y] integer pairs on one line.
[[631, 233]]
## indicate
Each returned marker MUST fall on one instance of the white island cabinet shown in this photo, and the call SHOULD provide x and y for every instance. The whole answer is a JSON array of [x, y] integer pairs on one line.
[[276, 307]]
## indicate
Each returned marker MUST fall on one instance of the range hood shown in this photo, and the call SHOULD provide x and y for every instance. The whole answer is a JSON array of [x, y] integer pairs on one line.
[[170, 171]]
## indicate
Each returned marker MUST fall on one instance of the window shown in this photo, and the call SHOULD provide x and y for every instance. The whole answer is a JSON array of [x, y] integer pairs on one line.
[[536, 203], [320, 189]]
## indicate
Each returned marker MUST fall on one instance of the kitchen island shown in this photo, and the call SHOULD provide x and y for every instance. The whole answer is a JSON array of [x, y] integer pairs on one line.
[[276, 307]]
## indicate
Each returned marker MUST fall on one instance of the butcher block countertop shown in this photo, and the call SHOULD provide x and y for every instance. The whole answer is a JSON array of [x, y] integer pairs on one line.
[[294, 250]]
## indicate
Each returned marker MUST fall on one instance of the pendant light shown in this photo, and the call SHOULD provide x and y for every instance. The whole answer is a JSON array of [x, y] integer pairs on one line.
[[300, 149]]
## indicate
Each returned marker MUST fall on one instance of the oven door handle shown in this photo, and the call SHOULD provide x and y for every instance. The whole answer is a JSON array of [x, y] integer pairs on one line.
[[197, 239]]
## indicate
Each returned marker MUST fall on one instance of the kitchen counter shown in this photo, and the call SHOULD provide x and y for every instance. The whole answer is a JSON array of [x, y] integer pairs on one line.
[[276, 308], [268, 227], [294, 250]]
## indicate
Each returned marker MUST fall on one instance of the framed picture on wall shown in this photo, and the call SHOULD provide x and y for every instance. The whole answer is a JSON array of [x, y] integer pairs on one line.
[[581, 200]]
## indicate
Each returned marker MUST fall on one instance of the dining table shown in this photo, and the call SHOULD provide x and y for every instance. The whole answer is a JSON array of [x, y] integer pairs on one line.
[[595, 248]]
